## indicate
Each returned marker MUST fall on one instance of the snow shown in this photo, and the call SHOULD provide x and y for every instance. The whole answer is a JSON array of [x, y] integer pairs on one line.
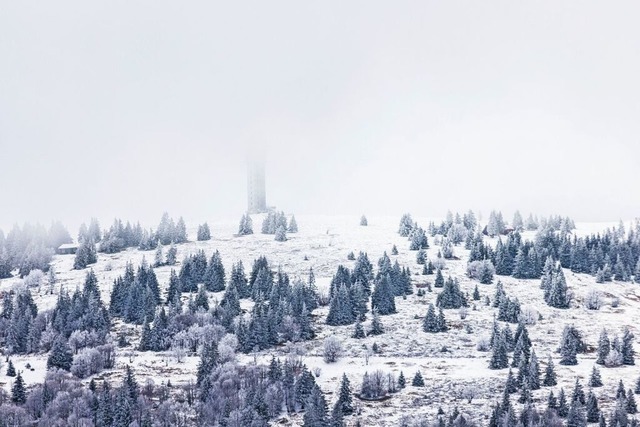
[[325, 241]]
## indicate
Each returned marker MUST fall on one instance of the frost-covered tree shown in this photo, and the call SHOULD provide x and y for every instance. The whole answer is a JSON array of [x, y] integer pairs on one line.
[[172, 255], [595, 380], [281, 234], [451, 295], [499, 357], [376, 325], [406, 225], [18, 391], [293, 225], [86, 254], [604, 346], [558, 297], [246, 225], [363, 221], [383, 298], [332, 349], [417, 381], [204, 232], [550, 378], [627, 347], [61, 356]]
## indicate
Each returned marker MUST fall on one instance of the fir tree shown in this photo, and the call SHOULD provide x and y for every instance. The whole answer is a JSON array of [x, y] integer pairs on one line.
[[11, 371], [620, 392], [550, 378], [595, 380], [18, 391], [631, 403], [627, 348], [430, 323], [293, 225], [61, 356], [552, 402], [315, 409], [383, 298], [281, 234], [604, 346], [345, 401], [439, 282], [402, 382], [363, 221], [533, 372], [476, 294], [576, 416], [172, 255], [511, 386], [563, 407], [376, 325], [394, 250], [578, 394], [593, 412], [499, 358], [417, 381], [441, 322]]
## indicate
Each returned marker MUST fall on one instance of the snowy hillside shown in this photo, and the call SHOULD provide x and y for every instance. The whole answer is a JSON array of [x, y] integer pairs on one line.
[[450, 362]]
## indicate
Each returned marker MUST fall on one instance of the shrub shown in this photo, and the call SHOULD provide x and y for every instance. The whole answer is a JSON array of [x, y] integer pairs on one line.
[[593, 300], [484, 343], [332, 350], [529, 315]]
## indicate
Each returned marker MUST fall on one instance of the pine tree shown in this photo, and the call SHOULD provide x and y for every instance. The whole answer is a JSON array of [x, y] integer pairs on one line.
[[209, 359], [11, 371], [511, 386], [430, 323], [476, 294], [593, 412], [533, 372], [316, 409], [604, 346], [550, 378], [627, 348], [341, 308], [441, 322], [293, 225], [620, 392], [576, 416], [558, 292], [172, 255], [202, 300], [402, 382], [637, 389], [281, 234], [578, 393], [394, 250], [595, 380], [383, 298], [563, 407], [439, 282], [417, 381], [376, 325], [61, 356], [631, 403], [18, 391], [204, 232], [568, 351], [499, 358], [363, 221], [345, 401], [552, 402]]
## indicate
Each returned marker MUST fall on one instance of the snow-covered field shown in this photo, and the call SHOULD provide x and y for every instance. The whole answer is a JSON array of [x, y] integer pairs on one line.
[[448, 362]]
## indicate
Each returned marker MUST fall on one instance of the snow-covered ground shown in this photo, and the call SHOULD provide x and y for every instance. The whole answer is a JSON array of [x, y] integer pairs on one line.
[[448, 362]]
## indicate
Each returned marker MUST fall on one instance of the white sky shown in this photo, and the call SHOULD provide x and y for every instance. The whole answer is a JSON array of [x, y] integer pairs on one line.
[[130, 108]]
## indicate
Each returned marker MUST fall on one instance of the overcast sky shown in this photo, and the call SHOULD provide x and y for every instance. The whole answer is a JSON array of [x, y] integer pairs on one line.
[[130, 108]]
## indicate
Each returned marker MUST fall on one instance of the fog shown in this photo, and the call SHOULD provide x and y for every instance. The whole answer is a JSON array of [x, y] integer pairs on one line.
[[132, 108]]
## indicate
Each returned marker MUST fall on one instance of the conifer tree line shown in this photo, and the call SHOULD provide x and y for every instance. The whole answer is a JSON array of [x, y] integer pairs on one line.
[[121, 236], [278, 220], [612, 255], [351, 290], [30, 247]]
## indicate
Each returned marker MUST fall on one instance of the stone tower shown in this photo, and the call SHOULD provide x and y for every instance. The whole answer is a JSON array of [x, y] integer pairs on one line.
[[255, 185]]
